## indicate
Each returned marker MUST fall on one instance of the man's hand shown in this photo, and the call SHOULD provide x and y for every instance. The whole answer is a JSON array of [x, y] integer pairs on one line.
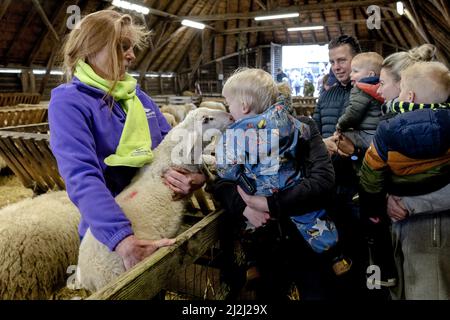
[[396, 210], [331, 144], [132, 250], [255, 217], [258, 203], [183, 182]]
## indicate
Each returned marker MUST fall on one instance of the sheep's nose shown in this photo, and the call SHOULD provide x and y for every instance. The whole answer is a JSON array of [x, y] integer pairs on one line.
[[231, 118]]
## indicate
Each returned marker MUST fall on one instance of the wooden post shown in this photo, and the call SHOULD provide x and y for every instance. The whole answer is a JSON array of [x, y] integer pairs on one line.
[[161, 89], [24, 79]]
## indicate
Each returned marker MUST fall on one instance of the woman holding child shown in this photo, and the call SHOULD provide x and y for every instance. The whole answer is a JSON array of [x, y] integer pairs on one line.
[[406, 173]]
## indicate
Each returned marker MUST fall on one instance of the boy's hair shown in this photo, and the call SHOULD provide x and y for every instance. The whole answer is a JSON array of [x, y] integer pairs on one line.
[[370, 60], [254, 88], [343, 40], [399, 61], [105, 28], [430, 81]]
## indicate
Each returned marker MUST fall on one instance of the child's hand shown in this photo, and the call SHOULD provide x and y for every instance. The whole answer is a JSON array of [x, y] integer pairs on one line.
[[255, 217], [258, 203]]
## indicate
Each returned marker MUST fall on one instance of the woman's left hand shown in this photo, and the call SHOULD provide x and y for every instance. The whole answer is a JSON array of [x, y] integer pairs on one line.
[[258, 203], [183, 182]]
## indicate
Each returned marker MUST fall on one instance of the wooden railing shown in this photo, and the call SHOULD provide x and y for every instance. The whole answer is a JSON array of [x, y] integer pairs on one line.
[[12, 99]]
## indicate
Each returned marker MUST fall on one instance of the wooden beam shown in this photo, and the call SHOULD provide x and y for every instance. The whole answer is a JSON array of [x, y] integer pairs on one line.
[[300, 8], [338, 18], [4, 8], [274, 27], [20, 32], [53, 55], [145, 64], [261, 4], [148, 277], [45, 19], [172, 60], [44, 35], [308, 19], [327, 31]]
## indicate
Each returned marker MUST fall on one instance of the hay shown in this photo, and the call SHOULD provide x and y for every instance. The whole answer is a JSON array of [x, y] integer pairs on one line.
[[68, 294], [12, 190]]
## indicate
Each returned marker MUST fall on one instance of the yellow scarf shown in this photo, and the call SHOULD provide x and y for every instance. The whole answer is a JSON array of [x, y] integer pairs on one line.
[[134, 149]]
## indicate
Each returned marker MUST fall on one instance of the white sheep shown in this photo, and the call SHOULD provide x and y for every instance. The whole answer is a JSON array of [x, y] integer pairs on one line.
[[213, 105], [38, 242], [147, 202], [178, 111]]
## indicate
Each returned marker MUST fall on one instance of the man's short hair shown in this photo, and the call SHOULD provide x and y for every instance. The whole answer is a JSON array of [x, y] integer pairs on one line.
[[343, 40]]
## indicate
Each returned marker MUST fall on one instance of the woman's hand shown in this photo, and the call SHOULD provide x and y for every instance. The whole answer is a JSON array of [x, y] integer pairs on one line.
[[396, 210], [258, 203], [255, 217], [132, 250], [331, 144], [183, 182]]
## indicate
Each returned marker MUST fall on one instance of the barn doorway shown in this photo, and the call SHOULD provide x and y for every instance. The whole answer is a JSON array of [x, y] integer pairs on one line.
[[305, 62]]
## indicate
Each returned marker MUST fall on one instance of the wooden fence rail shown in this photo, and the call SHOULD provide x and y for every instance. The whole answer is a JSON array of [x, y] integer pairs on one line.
[[12, 99]]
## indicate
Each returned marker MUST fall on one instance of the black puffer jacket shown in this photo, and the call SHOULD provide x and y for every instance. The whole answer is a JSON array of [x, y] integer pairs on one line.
[[330, 107], [363, 111]]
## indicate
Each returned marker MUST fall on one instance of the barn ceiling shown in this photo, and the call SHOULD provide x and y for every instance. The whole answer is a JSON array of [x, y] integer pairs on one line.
[[32, 31]]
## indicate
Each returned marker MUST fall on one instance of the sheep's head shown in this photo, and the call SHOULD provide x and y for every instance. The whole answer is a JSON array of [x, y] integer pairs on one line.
[[201, 120]]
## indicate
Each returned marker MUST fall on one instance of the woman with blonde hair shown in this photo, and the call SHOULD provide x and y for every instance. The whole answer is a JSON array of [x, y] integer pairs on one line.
[[418, 211], [104, 127]]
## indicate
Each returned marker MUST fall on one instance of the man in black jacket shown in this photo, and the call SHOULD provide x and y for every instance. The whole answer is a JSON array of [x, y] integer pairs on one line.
[[342, 208]]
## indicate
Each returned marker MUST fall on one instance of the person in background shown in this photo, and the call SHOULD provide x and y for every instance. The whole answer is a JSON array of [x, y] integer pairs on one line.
[[281, 76], [103, 129]]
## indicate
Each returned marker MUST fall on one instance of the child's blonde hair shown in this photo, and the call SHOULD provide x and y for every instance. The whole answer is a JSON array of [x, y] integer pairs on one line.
[[254, 88], [370, 60], [106, 28], [430, 81], [399, 61]]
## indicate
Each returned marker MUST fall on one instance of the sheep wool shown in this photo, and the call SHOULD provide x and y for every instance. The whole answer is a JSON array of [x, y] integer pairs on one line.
[[147, 202], [213, 105], [38, 242]]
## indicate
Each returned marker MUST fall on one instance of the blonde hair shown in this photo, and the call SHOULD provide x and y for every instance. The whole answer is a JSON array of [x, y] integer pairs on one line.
[[430, 81], [254, 88], [399, 61], [370, 60], [105, 28]]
